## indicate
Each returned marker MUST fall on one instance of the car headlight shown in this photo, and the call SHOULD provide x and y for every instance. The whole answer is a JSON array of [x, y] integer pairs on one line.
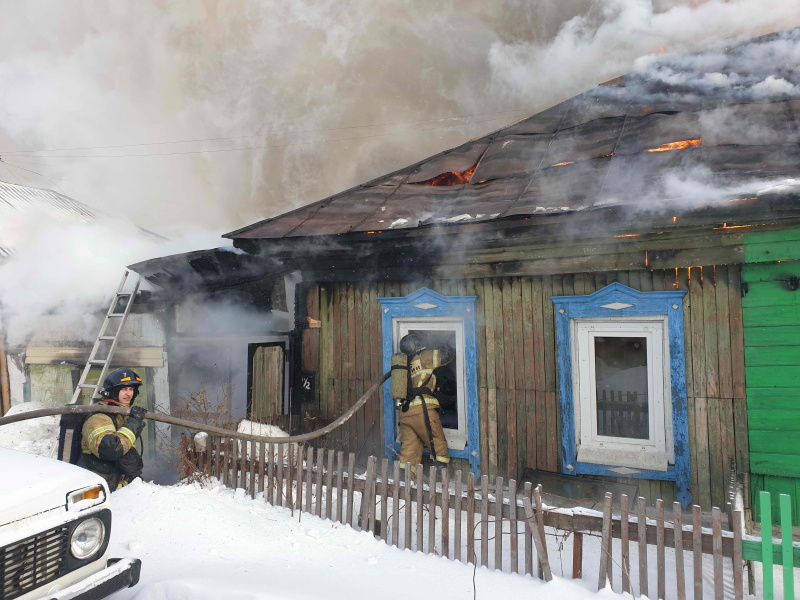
[[87, 538]]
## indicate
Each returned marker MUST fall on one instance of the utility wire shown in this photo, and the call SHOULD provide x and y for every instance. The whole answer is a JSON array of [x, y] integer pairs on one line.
[[188, 152], [276, 134]]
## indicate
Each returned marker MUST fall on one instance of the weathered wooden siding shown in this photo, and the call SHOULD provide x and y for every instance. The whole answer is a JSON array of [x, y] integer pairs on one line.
[[771, 313], [517, 378]]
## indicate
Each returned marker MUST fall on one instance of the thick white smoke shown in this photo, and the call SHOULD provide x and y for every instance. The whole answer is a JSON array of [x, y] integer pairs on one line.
[[317, 95], [312, 96]]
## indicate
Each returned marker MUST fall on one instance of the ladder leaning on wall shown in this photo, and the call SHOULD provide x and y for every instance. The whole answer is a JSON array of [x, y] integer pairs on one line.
[[107, 339]]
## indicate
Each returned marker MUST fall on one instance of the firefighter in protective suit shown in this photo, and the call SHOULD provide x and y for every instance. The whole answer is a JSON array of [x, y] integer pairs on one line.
[[108, 441], [419, 420]]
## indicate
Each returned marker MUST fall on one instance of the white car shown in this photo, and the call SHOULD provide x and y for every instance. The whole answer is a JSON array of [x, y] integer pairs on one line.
[[55, 523]]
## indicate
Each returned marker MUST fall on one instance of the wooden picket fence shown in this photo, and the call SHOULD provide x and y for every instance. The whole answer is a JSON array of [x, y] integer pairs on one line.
[[498, 526]]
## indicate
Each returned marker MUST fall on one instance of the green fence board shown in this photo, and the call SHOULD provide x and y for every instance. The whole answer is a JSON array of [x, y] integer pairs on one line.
[[782, 465], [780, 235], [775, 421], [768, 272], [767, 316], [770, 252], [772, 355], [768, 442], [768, 336], [778, 377]]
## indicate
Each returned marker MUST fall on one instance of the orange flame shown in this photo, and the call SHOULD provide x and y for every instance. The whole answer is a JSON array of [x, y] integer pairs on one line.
[[682, 145], [743, 199], [572, 162], [449, 178], [628, 235]]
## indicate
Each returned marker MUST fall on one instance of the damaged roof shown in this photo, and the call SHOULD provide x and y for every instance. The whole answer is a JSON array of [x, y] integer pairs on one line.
[[678, 133], [38, 202]]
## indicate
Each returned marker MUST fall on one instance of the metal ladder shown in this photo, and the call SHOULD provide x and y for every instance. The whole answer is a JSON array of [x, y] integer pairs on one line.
[[116, 320]]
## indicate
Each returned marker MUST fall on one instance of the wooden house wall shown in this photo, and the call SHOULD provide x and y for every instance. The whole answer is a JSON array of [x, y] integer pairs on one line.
[[771, 313], [517, 378]]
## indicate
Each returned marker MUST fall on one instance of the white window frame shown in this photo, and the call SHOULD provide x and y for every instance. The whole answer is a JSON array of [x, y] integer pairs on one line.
[[456, 438], [655, 453]]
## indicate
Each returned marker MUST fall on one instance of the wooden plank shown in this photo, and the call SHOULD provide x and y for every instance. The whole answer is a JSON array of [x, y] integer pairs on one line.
[[699, 371], [366, 499], [577, 555], [351, 469], [483, 408], [339, 489], [515, 323], [736, 331], [498, 524], [716, 528], [329, 486], [420, 503], [541, 430], [710, 332], [502, 431], [541, 548], [471, 518], [511, 428], [408, 505], [785, 504], [660, 554], [551, 286], [530, 457], [680, 575], [500, 359], [290, 466], [396, 504], [641, 530], [261, 466], [605, 545], [553, 431], [309, 476], [543, 558], [301, 475], [445, 513], [716, 451], [384, 492], [484, 521], [512, 520], [723, 317], [697, 552], [492, 430], [538, 364], [457, 501], [432, 510], [320, 470], [624, 544], [348, 368], [527, 492], [251, 473], [326, 335], [737, 564], [703, 491], [481, 328], [526, 317]]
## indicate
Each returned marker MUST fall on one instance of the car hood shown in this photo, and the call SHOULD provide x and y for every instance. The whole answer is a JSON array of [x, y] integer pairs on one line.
[[31, 484]]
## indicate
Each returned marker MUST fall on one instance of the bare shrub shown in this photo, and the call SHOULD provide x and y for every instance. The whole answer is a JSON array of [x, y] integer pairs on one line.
[[204, 407]]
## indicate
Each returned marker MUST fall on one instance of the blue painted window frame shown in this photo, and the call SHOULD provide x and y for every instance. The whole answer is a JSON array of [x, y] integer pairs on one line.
[[426, 303], [669, 303]]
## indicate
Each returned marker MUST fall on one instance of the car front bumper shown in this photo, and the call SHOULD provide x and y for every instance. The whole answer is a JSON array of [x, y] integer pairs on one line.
[[119, 573]]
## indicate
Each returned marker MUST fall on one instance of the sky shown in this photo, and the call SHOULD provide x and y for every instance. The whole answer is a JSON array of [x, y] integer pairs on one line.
[[214, 115]]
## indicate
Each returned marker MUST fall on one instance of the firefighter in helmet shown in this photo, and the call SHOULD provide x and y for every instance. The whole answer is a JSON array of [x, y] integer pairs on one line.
[[108, 441], [419, 421]]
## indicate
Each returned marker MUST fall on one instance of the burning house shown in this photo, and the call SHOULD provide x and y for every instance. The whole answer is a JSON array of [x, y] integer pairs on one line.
[[617, 274]]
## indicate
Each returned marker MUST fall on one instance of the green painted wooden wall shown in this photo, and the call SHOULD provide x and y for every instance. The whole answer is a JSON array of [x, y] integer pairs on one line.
[[771, 314]]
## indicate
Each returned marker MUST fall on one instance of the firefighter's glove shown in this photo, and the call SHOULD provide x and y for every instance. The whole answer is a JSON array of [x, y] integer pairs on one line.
[[131, 464], [135, 420]]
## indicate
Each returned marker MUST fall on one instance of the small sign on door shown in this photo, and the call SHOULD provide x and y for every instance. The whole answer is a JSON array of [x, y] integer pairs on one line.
[[305, 391]]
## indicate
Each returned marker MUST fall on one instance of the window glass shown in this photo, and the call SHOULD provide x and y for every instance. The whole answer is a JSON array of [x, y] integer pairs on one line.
[[621, 387]]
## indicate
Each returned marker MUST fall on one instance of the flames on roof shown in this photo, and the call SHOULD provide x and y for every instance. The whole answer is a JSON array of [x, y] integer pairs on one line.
[[666, 137]]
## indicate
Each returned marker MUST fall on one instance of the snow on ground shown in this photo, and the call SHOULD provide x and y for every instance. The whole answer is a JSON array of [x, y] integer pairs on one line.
[[35, 436], [206, 543]]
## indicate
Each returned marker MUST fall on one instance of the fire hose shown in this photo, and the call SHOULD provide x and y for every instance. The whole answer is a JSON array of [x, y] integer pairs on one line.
[[161, 418]]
